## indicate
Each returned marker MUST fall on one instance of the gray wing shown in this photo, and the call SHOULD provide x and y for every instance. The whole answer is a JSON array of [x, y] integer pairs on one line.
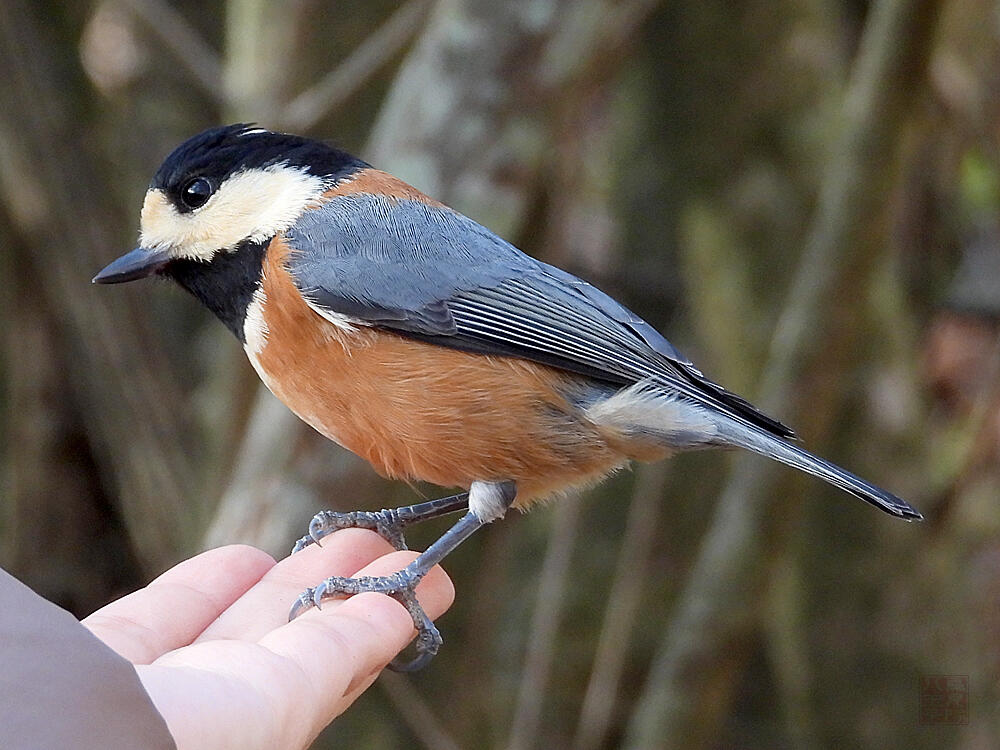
[[433, 274]]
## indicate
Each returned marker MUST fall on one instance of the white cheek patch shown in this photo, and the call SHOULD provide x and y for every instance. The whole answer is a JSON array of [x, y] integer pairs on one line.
[[252, 205]]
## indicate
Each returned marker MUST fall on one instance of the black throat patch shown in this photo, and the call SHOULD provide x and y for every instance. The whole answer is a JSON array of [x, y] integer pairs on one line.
[[226, 284]]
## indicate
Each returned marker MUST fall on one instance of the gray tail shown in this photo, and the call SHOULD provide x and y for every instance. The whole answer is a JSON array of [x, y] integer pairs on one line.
[[743, 436]]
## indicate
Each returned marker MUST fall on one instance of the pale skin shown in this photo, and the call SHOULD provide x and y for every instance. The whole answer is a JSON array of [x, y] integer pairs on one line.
[[212, 645]]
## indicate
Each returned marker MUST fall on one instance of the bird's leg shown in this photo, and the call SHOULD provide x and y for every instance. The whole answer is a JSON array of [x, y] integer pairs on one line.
[[388, 522], [487, 502]]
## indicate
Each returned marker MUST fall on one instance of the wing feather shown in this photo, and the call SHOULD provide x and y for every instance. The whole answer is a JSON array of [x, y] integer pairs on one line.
[[433, 274]]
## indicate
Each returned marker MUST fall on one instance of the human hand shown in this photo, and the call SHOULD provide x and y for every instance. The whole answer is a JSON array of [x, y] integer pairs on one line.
[[213, 648]]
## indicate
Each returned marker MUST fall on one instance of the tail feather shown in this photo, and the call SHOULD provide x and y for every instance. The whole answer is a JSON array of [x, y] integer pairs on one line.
[[736, 434], [645, 412]]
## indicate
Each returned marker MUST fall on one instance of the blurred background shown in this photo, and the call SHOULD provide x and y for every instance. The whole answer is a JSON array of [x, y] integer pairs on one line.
[[803, 195]]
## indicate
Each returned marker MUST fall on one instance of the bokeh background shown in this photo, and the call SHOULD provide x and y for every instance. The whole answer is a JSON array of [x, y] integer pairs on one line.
[[802, 194]]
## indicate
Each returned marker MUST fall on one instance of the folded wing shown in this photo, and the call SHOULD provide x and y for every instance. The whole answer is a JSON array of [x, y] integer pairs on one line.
[[430, 273]]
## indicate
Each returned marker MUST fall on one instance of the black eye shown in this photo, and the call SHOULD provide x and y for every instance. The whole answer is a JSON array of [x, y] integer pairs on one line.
[[196, 192]]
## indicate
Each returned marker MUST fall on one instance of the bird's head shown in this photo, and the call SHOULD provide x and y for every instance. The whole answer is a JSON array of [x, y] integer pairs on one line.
[[225, 188]]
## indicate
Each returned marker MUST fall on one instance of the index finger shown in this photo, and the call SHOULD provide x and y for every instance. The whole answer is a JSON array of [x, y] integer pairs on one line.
[[173, 609], [265, 606]]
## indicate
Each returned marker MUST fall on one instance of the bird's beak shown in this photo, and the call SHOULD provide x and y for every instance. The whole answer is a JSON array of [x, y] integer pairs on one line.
[[138, 264]]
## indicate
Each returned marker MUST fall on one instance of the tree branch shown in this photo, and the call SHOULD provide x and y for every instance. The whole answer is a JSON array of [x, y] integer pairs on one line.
[[128, 401], [183, 42], [309, 107], [415, 711], [622, 607], [552, 584]]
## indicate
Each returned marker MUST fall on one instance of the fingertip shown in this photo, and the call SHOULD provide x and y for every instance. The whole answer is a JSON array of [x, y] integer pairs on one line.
[[246, 551], [438, 593], [362, 545], [244, 556], [179, 605], [266, 606], [239, 565]]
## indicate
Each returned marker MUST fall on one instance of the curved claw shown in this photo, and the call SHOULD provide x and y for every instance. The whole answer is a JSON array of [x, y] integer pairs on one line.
[[316, 528], [317, 595], [305, 601], [418, 662], [428, 641], [401, 587], [302, 543]]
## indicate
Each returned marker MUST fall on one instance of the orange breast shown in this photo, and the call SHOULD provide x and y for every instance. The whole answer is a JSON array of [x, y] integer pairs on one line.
[[418, 411]]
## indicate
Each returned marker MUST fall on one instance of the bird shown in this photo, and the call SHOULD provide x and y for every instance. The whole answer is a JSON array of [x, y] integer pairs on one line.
[[423, 342]]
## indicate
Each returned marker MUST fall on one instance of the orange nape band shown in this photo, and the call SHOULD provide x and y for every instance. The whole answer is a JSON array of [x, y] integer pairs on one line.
[[377, 182]]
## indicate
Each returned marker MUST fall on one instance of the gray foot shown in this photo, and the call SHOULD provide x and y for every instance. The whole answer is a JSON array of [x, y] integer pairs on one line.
[[400, 586], [388, 523]]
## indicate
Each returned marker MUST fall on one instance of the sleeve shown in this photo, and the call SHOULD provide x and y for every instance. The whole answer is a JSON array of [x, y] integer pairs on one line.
[[60, 686]]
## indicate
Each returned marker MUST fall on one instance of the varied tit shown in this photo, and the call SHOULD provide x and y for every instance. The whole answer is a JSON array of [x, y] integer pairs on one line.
[[426, 344]]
